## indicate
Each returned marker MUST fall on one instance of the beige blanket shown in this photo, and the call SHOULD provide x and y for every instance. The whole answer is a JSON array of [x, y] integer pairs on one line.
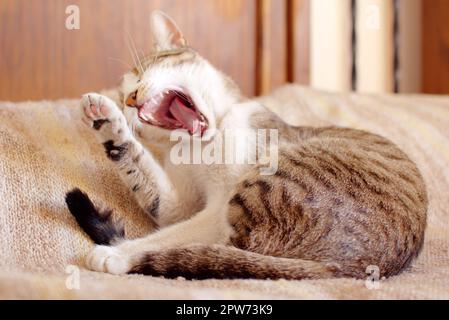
[[44, 152]]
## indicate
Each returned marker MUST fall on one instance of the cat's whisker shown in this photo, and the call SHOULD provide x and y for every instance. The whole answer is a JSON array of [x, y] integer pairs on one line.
[[128, 44], [132, 56], [133, 48], [123, 62], [143, 59]]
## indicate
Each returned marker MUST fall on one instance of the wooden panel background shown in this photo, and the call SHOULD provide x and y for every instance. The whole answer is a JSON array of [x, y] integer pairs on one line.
[[435, 45], [41, 59], [248, 39], [298, 29], [260, 43], [271, 40]]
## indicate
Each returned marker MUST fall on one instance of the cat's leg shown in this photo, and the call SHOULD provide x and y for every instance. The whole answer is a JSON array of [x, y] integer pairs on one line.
[[137, 166], [209, 226]]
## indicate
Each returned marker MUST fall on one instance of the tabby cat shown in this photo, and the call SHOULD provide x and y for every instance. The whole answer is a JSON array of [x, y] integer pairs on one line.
[[340, 201]]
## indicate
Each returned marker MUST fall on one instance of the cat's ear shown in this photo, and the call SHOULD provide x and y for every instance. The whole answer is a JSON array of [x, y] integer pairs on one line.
[[166, 34]]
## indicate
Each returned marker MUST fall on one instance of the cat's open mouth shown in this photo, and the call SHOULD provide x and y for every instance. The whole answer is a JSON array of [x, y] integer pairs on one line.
[[173, 109]]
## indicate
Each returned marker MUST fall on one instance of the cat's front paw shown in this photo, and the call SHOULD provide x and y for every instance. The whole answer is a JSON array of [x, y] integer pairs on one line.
[[102, 114], [108, 259], [98, 108]]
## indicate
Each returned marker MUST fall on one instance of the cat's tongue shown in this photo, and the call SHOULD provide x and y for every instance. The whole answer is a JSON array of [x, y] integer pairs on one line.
[[185, 115]]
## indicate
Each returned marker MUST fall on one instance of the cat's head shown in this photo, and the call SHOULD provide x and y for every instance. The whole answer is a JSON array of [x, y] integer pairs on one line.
[[175, 88]]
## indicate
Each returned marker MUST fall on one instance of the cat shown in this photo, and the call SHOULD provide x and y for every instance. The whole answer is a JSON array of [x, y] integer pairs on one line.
[[340, 202]]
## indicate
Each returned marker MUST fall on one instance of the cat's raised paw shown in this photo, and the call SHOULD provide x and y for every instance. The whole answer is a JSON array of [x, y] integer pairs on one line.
[[108, 259], [98, 109]]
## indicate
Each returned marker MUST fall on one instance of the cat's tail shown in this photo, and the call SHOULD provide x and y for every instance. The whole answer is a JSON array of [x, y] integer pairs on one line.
[[98, 224], [225, 262]]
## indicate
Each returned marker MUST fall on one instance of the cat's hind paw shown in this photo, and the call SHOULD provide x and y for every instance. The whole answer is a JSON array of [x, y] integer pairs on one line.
[[108, 259]]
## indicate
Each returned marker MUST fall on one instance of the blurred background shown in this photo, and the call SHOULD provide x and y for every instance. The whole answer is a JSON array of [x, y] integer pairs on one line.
[[54, 49]]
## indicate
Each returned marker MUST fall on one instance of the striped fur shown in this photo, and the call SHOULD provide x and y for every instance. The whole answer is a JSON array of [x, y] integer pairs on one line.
[[340, 195], [225, 262]]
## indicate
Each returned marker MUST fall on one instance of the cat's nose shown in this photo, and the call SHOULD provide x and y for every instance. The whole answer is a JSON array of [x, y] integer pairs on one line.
[[131, 101]]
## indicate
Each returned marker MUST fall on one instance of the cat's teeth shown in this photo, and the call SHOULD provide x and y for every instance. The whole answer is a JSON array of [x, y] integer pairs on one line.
[[143, 116]]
